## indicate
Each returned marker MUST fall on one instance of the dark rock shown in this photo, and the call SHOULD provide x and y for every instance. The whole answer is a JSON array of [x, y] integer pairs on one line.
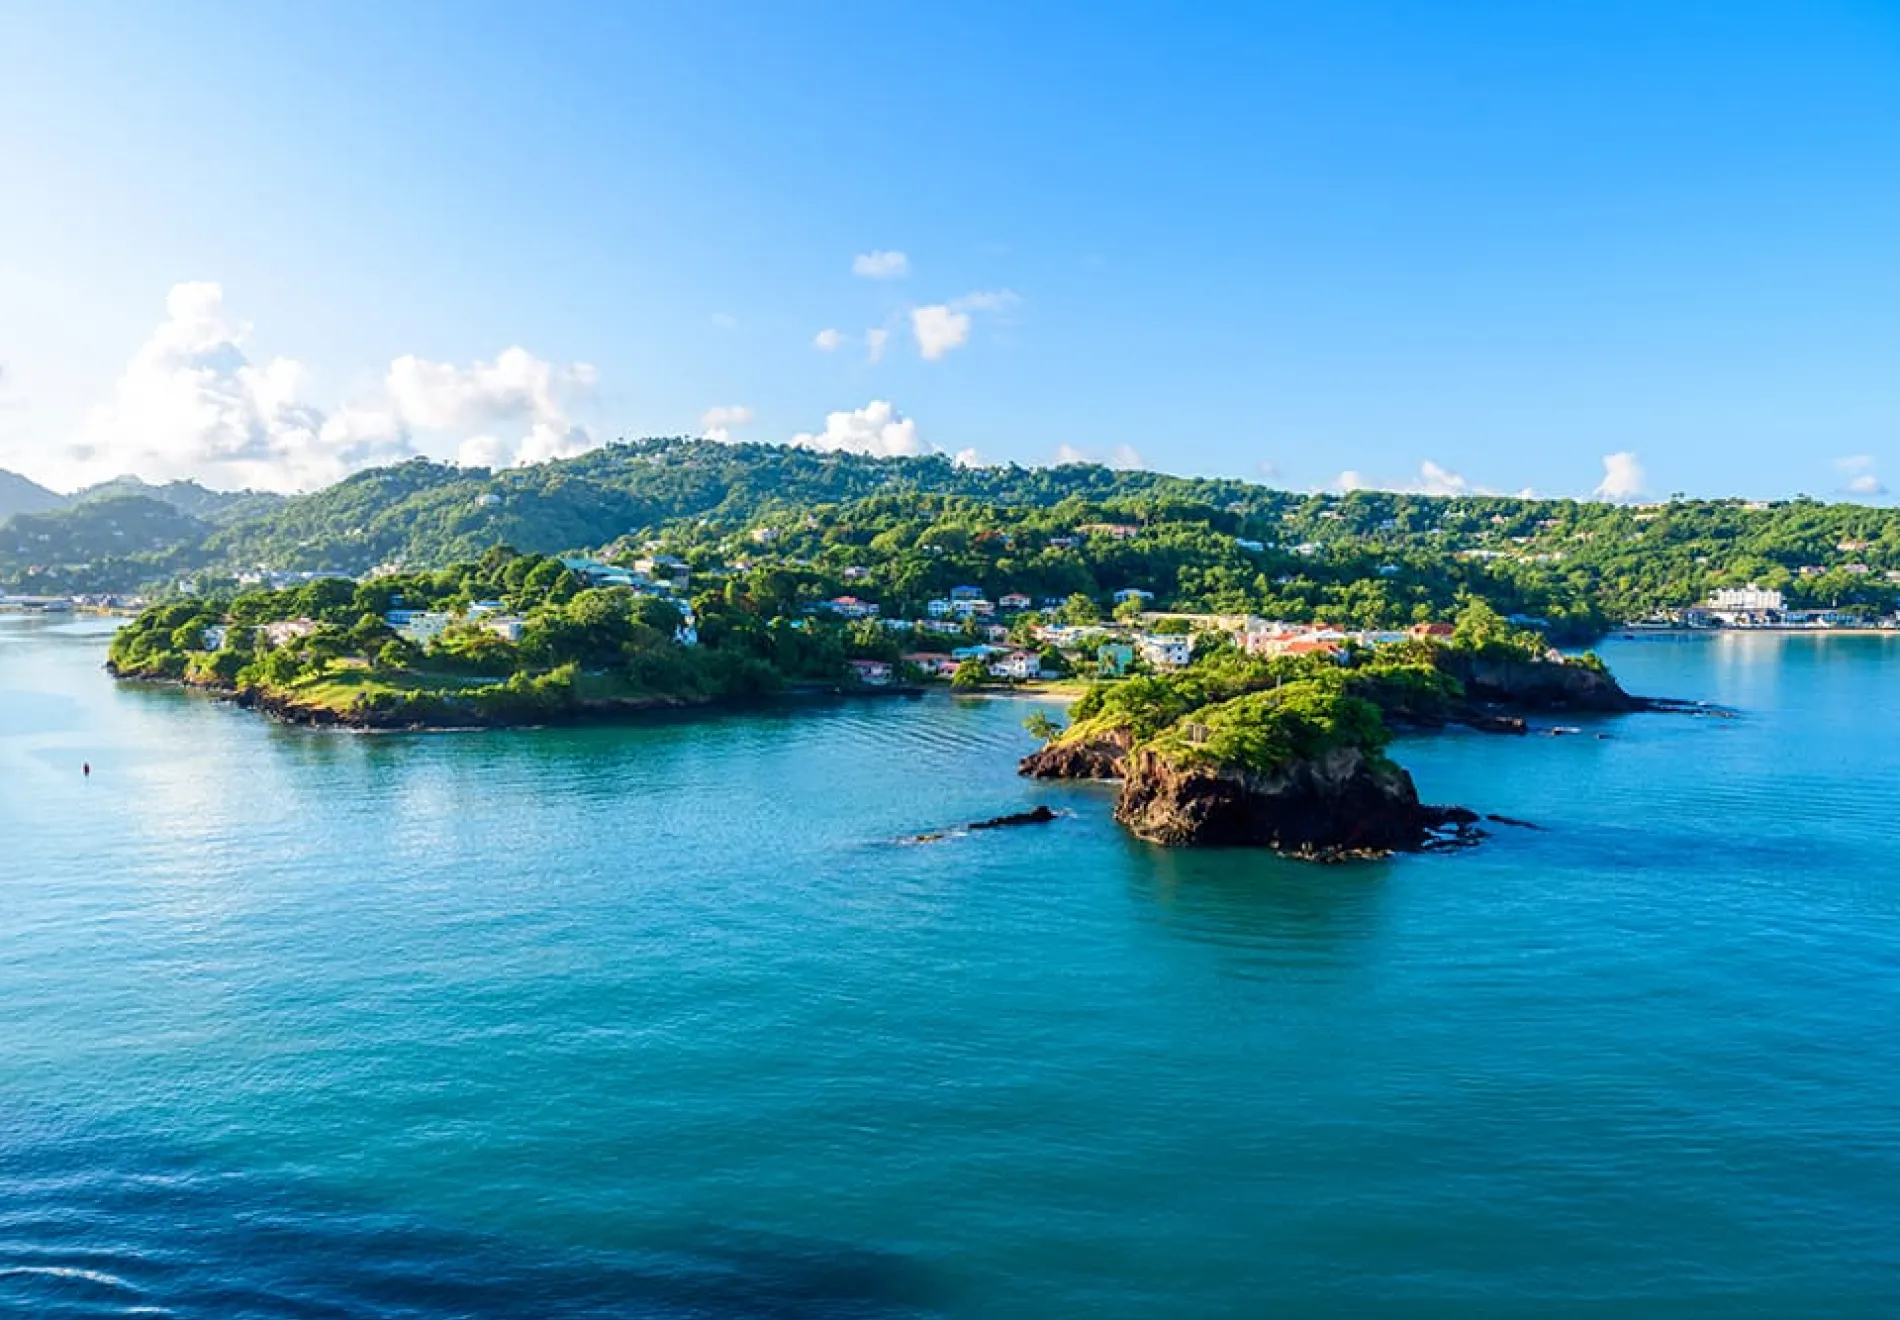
[[1337, 806], [1513, 821], [1040, 815], [1099, 756], [1486, 721], [1524, 684]]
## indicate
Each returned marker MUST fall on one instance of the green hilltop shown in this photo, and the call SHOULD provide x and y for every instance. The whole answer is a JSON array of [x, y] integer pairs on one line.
[[911, 528]]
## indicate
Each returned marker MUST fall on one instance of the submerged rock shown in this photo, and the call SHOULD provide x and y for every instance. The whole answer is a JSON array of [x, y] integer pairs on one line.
[[1342, 804], [1040, 815]]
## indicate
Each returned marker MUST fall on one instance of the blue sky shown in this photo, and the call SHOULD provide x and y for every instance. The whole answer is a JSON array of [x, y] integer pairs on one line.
[[267, 243]]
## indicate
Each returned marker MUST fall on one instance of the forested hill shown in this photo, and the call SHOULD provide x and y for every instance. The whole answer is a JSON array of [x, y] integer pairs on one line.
[[1366, 558], [18, 495]]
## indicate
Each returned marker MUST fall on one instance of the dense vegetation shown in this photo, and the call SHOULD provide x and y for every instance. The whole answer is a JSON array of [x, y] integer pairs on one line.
[[917, 526], [1256, 714], [577, 646]]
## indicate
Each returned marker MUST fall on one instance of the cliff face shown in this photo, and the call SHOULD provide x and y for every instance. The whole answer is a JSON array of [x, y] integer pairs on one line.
[[1339, 805], [1530, 685], [1100, 756]]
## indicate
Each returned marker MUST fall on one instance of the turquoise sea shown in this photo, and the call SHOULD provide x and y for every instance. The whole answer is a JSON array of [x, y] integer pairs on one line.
[[662, 1021]]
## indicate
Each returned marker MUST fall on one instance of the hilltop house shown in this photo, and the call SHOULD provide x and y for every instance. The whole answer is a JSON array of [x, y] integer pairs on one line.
[[1014, 600], [850, 607], [1127, 594]]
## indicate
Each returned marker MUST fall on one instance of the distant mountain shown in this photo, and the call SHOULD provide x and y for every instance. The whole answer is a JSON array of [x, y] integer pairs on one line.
[[18, 495], [112, 543], [188, 497]]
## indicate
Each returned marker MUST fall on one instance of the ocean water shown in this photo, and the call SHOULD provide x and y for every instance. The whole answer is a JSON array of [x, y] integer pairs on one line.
[[665, 1021]]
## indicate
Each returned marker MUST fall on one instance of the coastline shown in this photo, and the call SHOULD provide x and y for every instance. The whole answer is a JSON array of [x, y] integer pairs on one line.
[[1630, 632], [285, 708]]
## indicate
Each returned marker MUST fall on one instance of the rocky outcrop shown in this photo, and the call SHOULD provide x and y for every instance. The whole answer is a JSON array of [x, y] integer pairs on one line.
[[1340, 805], [1537, 685], [1087, 756]]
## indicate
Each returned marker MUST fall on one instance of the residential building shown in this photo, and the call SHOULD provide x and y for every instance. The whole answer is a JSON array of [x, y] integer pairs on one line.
[[285, 631], [1167, 650], [1127, 594], [966, 593], [1745, 600], [1113, 658], [1014, 600], [850, 607], [418, 626], [508, 627], [872, 673], [1243, 543], [937, 609], [1017, 665], [932, 662]]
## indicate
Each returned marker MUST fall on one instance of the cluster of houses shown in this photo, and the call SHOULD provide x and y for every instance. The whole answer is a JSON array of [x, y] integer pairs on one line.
[[1759, 607], [424, 626]]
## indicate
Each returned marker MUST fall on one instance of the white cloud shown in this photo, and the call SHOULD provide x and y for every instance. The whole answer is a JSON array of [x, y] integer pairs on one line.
[[968, 458], [1436, 480], [986, 300], [1432, 479], [943, 327], [881, 265], [516, 389], [877, 429], [191, 403], [725, 321], [1858, 476], [1121, 456], [827, 340], [939, 329], [874, 341], [1623, 476], [717, 423]]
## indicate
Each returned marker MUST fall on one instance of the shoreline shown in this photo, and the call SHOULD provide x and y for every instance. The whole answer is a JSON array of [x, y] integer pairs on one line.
[[283, 708], [1627, 632]]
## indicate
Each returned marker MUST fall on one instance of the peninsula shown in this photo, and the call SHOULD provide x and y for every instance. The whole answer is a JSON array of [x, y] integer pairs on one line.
[[1248, 734]]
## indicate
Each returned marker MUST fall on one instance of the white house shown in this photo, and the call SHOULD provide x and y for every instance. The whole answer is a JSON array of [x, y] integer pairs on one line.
[[508, 627], [1017, 664], [419, 626], [1745, 600], [1166, 650], [1014, 600], [1127, 594]]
